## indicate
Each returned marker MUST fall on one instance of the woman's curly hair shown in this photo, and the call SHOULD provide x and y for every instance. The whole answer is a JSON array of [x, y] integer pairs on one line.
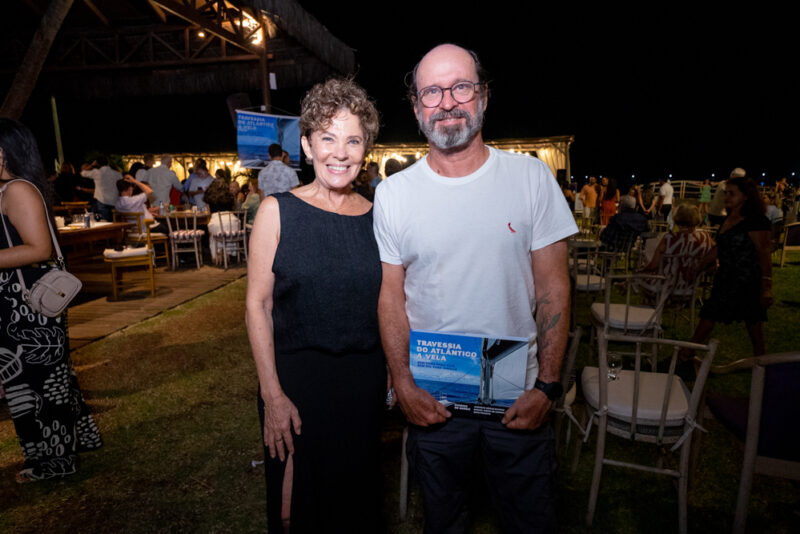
[[325, 100]]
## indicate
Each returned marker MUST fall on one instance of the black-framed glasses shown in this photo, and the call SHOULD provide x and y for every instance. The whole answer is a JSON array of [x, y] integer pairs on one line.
[[462, 92]]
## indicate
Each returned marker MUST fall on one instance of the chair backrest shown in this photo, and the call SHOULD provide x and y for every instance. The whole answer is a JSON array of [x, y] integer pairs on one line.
[[674, 267], [630, 282], [226, 221], [774, 406], [181, 221], [644, 382], [791, 235], [649, 248], [134, 217], [658, 226]]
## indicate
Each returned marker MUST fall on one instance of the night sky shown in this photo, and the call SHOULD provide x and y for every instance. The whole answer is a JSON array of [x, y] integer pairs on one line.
[[671, 90]]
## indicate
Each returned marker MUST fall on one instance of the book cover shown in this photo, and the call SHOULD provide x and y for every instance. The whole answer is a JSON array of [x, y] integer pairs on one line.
[[472, 375]]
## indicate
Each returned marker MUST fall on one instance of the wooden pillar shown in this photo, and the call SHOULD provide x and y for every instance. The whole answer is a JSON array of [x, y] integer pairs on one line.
[[57, 128], [264, 71], [568, 164]]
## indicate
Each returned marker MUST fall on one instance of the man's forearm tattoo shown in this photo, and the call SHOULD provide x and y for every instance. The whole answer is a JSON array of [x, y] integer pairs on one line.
[[545, 321]]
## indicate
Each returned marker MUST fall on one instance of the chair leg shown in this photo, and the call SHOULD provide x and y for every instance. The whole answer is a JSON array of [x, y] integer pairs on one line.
[[152, 280], [166, 253], [576, 455], [598, 469], [404, 476], [683, 486], [114, 281]]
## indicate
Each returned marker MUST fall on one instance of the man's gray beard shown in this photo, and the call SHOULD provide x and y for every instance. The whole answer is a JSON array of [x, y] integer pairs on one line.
[[448, 137]]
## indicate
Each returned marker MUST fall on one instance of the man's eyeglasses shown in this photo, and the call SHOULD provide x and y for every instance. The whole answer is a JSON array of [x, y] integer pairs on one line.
[[462, 92]]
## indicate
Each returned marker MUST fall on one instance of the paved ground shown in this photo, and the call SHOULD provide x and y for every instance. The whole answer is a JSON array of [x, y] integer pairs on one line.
[[93, 315]]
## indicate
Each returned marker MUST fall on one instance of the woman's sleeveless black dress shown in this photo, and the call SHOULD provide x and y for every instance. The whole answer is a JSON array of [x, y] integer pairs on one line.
[[331, 365]]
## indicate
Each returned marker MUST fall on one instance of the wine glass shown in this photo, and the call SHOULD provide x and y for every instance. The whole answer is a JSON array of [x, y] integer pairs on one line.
[[614, 361]]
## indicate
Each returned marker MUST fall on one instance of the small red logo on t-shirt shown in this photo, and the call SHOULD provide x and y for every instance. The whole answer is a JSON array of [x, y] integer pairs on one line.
[[512, 230]]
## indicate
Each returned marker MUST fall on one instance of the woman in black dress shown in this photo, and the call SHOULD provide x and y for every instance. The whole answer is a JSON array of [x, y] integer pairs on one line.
[[50, 417], [313, 280], [742, 289]]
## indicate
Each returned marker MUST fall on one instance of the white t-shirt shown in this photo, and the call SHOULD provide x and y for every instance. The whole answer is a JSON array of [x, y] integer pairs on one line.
[[162, 180], [136, 204], [465, 244], [666, 193], [105, 184]]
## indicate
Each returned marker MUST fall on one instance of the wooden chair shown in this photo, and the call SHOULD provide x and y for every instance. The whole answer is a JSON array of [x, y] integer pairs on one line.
[[136, 236], [766, 423], [78, 207], [131, 257], [184, 237], [647, 407], [229, 235]]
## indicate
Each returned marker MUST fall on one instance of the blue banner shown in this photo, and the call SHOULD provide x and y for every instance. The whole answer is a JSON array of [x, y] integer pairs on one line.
[[256, 131]]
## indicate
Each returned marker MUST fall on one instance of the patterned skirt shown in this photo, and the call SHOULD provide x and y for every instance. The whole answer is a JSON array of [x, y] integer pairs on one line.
[[50, 416]]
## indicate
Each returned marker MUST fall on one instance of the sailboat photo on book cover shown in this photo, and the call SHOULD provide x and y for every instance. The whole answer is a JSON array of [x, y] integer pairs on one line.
[[471, 374]]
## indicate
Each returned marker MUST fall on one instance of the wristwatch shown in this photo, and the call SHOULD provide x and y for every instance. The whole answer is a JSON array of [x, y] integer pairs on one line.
[[553, 390]]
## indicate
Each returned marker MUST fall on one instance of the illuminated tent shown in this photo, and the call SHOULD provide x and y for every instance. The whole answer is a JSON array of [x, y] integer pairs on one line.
[[552, 150]]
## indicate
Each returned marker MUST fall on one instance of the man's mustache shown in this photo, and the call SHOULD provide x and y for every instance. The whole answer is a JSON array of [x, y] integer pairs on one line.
[[452, 114]]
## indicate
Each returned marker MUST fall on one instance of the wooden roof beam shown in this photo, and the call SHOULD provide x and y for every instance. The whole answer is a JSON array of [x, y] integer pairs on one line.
[[193, 16], [97, 12], [159, 12]]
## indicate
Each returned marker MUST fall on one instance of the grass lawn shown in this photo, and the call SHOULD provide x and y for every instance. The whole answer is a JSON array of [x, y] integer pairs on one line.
[[175, 399]]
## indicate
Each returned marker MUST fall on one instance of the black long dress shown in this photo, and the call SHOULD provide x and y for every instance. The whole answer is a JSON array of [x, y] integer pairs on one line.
[[50, 417], [736, 293], [331, 366]]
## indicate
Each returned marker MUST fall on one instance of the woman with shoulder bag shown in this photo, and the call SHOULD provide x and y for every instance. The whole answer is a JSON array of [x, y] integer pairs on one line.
[[49, 414]]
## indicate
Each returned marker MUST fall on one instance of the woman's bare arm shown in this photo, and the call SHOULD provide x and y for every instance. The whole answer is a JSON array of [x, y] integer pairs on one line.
[[23, 206], [280, 414]]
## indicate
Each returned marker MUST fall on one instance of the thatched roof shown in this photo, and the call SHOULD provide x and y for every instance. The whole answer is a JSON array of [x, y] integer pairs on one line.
[[111, 48]]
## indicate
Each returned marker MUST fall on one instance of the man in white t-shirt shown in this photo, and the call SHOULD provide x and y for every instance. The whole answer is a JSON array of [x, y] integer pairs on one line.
[[472, 240], [105, 190], [665, 194], [162, 179]]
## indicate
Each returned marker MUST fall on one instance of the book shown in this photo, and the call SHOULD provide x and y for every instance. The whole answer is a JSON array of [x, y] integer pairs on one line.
[[472, 375]]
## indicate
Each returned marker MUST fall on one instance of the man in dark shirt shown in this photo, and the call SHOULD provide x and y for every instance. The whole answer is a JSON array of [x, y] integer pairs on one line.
[[623, 228]]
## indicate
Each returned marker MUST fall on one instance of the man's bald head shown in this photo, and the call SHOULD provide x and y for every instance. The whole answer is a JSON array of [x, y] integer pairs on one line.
[[445, 53]]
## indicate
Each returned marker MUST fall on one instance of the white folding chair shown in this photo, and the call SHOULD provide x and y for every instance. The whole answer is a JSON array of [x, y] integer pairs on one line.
[[646, 407]]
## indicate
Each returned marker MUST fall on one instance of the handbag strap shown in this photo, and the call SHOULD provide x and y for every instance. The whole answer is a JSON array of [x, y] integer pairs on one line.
[[59, 258]]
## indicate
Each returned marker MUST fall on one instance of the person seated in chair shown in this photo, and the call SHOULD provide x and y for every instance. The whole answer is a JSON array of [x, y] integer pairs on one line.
[[625, 227], [679, 250], [128, 202]]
